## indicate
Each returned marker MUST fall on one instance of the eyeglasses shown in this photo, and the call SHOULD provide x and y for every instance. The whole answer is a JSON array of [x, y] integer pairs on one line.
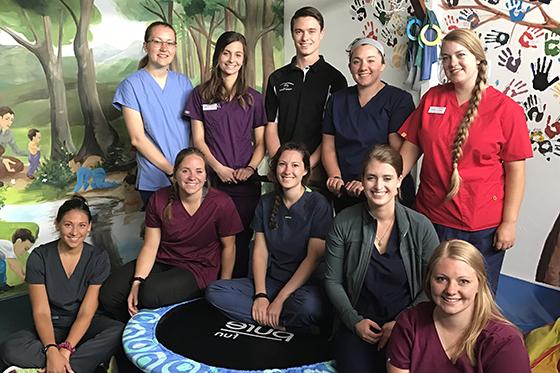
[[159, 43]]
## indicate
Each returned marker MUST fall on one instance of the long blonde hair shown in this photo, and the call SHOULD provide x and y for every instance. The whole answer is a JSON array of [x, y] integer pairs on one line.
[[469, 40], [485, 308]]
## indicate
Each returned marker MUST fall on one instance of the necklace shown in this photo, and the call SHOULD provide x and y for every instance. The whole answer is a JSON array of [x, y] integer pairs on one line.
[[379, 239]]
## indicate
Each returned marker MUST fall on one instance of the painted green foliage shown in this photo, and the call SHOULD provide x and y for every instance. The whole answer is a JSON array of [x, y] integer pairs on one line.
[[46, 26], [200, 22]]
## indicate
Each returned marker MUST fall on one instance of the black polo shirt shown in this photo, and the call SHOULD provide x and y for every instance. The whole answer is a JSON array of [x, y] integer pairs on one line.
[[296, 99]]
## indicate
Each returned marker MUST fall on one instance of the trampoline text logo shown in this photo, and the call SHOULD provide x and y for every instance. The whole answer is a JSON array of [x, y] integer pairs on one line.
[[233, 329]]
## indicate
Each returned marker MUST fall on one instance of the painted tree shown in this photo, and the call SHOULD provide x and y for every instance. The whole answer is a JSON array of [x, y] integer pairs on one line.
[[271, 10], [514, 11], [253, 30], [99, 136], [203, 18], [30, 23]]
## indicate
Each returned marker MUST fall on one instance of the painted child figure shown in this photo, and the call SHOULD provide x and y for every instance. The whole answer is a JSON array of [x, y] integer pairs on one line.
[[34, 156], [16, 258]]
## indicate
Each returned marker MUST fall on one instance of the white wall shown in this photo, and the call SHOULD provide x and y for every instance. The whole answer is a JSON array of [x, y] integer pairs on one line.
[[341, 30]]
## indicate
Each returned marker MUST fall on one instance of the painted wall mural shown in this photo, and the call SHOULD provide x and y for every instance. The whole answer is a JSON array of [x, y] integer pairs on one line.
[[59, 134], [522, 41]]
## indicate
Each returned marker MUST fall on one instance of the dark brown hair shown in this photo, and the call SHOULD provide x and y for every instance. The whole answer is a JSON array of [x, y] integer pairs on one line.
[[307, 11], [272, 221], [76, 202], [32, 133], [6, 110], [23, 234], [214, 90]]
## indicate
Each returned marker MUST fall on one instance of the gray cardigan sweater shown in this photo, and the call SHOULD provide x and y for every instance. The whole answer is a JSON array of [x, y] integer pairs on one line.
[[349, 248]]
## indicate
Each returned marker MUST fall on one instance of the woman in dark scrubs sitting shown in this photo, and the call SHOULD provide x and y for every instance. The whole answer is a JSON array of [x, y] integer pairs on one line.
[[377, 255]]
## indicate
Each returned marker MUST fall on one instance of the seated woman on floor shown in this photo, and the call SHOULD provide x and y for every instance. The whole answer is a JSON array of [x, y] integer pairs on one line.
[[290, 225], [461, 330], [64, 278], [189, 240], [377, 257]]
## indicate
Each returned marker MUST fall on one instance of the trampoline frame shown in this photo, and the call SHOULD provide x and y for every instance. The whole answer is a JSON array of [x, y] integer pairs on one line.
[[148, 354]]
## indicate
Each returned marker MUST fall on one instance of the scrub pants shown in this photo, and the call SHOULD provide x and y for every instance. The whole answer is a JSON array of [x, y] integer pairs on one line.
[[352, 354], [165, 285], [483, 240], [304, 311], [145, 196], [101, 341], [245, 196]]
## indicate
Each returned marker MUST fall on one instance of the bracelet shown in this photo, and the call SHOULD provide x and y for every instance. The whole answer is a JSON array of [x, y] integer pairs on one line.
[[67, 346], [261, 295], [252, 168], [170, 175], [45, 348], [137, 278], [336, 177]]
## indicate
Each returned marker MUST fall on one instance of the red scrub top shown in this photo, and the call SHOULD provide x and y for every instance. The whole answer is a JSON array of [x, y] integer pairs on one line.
[[498, 134]]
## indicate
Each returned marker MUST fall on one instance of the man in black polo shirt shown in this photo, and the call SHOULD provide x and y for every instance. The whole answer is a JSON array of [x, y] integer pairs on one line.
[[297, 93]]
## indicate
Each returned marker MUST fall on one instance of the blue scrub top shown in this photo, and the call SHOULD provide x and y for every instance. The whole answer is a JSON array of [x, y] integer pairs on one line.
[[162, 114], [357, 129]]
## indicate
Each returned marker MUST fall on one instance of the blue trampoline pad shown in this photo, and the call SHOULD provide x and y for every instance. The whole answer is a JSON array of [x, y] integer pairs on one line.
[[526, 304], [194, 337]]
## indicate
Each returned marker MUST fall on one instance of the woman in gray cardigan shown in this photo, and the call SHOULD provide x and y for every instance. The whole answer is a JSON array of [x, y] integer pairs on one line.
[[377, 255]]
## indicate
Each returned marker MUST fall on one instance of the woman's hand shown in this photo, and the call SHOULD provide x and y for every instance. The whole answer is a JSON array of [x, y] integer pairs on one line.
[[334, 184], [226, 174], [260, 310], [354, 188], [386, 330], [274, 311], [132, 300], [369, 331], [57, 362], [242, 174], [504, 238]]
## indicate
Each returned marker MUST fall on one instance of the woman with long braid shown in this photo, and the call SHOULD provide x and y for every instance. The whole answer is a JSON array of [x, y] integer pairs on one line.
[[290, 224], [475, 142], [189, 241]]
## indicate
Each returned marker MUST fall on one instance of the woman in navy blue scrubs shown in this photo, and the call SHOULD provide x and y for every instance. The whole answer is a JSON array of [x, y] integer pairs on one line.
[[360, 117]]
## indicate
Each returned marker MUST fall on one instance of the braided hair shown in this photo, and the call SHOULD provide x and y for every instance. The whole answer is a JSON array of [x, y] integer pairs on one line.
[[273, 219], [174, 195], [469, 40]]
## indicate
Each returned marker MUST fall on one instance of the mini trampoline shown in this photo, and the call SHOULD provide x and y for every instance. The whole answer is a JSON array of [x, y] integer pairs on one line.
[[194, 337]]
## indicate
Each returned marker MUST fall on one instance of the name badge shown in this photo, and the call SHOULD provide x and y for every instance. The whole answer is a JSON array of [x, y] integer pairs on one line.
[[210, 107], [436, 110]]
